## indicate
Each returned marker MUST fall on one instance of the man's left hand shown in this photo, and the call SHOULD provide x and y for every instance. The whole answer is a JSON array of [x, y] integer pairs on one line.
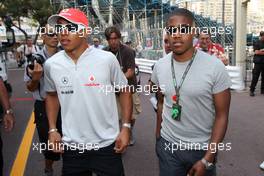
[[198, 169], [122, 140]]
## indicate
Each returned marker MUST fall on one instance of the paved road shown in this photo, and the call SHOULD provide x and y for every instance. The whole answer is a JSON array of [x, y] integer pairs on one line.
[[245, 133]]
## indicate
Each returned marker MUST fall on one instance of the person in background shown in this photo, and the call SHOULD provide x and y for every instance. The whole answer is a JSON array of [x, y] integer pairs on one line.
[[34, 79], [8, 117], [126, 58], [167, 50], [25, 51], [205, 44], [258, 65], [96, 44]]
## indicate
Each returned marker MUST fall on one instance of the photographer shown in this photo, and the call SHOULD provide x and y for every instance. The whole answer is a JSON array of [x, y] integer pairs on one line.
[[25, 51], [34, 81]]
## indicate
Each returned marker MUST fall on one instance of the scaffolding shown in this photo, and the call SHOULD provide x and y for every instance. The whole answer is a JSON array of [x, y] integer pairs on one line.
[[141, 21]]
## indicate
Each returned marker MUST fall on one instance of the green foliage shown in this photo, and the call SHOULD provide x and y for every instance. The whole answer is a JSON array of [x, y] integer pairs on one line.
[[14, 8], [38, 10]]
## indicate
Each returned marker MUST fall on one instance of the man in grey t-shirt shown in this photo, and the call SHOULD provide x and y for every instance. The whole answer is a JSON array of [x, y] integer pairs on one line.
[[193, 103]]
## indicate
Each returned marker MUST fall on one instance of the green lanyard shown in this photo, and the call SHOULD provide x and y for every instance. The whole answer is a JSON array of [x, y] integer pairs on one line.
[[177, 88]]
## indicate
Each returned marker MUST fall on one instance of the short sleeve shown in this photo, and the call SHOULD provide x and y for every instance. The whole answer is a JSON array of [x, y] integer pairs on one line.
[[130, 60], [21, 48], [222, 80], [154, 75], [49, 85], [256, 46], [117, 76]]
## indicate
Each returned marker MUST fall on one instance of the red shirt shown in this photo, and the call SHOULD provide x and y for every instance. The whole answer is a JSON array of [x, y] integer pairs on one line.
[[214, 49]]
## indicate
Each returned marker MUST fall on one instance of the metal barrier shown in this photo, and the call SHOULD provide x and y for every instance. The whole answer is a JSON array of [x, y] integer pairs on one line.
[[145, 65], [235, 72], [248, 68]]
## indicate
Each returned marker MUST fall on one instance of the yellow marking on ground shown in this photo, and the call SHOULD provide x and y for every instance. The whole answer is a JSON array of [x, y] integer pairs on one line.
[[19, 165]]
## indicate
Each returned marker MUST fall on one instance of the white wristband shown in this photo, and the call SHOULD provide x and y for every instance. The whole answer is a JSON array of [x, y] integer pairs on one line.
[[53, 130]]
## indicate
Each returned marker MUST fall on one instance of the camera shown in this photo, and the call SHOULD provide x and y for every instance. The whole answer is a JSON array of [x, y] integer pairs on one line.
[[35, 57]]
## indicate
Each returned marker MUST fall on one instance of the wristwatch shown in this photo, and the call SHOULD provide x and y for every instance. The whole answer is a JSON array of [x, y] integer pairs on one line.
[[207, 164], [9, 111], [52, 130], [127, 125]]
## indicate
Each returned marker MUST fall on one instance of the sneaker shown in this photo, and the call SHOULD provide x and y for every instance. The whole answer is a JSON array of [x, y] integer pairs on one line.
[[48, 172], [132, 139], [252, 94], [262, 165]]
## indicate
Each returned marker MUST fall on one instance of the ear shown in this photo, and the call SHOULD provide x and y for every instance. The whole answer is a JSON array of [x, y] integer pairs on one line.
[[42, 36], [85, 32]]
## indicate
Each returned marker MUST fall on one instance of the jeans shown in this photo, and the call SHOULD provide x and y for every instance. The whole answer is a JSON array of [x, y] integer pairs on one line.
[[178, 162]]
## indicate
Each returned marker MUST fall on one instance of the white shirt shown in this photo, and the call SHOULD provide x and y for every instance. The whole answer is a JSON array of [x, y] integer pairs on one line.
[[89, 115], [27, 50]]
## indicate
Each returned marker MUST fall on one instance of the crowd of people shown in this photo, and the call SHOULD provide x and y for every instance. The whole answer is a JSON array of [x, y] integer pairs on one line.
[[193, 97]]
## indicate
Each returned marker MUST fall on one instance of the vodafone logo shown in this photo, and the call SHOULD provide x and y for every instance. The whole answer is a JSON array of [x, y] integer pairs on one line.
[[92, 82], [92, 78]]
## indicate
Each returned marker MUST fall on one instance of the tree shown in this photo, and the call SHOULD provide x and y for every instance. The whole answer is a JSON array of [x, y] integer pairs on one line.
[[15, 9], [40, 11]]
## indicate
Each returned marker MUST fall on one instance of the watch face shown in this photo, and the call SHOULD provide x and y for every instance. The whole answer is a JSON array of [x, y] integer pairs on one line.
[[9, 111]]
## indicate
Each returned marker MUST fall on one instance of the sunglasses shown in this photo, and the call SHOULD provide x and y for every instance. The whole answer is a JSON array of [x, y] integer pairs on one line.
[[71, 27], [171, 30], [51, 34]]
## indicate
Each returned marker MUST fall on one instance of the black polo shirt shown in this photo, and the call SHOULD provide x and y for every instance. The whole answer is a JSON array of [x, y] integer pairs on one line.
[[258, 45], [126, 58]]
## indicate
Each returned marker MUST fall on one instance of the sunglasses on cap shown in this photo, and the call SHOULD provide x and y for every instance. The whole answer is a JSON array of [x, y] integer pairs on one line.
[[71, 27], [183, 29]]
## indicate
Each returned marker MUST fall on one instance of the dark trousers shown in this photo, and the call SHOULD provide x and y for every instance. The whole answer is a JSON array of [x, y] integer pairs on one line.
[[103, 162], [257, 70], [42, 125], [178, 162]]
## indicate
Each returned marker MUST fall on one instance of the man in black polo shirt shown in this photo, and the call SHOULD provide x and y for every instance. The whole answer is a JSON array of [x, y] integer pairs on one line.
[[259, 65], [126, 58]]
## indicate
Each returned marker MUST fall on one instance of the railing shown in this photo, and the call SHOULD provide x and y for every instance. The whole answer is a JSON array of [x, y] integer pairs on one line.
[[239, 75], [145, 65]]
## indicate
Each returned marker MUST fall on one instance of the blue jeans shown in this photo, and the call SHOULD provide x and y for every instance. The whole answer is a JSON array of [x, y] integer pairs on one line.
[[178, 162]]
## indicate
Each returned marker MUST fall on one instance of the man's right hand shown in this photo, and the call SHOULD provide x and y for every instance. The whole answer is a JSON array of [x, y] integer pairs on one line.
[[37, 72], [55, 142]]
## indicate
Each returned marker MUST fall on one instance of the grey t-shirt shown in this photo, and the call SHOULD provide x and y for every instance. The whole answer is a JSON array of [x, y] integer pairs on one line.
[[207, 76]]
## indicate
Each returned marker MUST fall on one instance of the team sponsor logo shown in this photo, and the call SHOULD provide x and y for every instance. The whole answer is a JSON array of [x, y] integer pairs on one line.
[[67, 92], [66, 87], [65, 80], [91, 82], [92, 78]]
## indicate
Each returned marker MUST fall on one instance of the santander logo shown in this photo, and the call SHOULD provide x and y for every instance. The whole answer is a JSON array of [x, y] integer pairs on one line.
[[92, 82]]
